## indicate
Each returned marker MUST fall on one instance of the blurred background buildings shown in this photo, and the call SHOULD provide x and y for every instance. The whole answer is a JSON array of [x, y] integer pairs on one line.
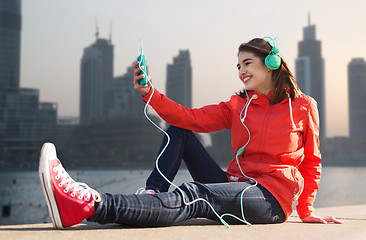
[[24, 121], [112, 131]]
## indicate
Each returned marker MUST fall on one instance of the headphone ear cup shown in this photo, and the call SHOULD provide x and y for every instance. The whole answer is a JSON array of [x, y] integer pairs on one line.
[[272, 62]]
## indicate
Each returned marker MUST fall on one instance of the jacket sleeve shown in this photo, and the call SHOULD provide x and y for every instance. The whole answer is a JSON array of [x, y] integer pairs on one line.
[[310, 168], [206, 119]]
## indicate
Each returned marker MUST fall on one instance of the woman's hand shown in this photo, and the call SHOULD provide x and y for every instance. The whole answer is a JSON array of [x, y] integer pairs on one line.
[[143, 89], [315, 219]]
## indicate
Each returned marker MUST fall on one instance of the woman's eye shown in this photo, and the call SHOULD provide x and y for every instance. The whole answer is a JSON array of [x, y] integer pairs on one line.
[[247, 63]]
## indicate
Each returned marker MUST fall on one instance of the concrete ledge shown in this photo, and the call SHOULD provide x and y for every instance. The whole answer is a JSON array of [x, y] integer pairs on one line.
[[354, 228]]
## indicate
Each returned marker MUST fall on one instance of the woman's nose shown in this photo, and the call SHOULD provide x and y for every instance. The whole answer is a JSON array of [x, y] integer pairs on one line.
[[242, 71]]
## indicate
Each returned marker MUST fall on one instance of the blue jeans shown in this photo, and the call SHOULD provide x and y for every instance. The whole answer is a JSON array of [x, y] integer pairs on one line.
[[184, 145], [210, 183]]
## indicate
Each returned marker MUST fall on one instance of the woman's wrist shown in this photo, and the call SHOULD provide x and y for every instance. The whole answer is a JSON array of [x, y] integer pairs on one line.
[[145, 93]]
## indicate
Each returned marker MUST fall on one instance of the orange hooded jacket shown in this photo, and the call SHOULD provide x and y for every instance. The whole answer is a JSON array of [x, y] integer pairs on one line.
[[283, 151]]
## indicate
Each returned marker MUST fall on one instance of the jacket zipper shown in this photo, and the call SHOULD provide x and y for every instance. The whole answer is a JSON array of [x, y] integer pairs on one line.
[[264, 132]]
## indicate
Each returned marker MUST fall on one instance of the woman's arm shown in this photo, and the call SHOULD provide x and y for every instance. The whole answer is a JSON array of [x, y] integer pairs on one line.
[[206, 119], [310, 169]]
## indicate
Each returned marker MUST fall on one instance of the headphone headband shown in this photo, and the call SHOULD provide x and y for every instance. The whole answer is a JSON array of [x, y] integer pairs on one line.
[[272, 61]]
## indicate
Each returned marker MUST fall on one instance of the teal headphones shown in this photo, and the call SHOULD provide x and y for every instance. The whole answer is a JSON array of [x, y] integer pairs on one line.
[[272, 61]]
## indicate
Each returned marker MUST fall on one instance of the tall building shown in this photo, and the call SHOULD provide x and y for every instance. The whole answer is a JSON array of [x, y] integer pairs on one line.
[[95, 71], [179, 79], [10, 37], [24, 122], [309, 71], [356, 97]]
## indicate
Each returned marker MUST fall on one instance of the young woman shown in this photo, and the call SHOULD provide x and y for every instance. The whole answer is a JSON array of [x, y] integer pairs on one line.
[[274, 133]]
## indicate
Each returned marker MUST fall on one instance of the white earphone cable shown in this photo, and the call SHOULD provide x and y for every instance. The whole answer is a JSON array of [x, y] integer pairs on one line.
[[240, 151]]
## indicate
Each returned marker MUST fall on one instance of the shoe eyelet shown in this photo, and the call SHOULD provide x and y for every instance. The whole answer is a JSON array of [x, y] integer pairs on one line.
[[54, 169], [65, 190], [80, 197], [60, 185], [72, 194], [57, 177], [87, 199]]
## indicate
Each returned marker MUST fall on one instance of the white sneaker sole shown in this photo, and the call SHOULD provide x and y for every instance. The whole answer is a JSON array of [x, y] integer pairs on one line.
[[48, 153]]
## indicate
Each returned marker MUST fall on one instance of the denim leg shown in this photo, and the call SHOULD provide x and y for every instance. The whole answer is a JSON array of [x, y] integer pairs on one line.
[[184, 145], [167, 208]]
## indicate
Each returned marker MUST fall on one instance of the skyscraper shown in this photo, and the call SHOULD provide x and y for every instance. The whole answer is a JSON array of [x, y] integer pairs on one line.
[[356, 97], [309, 71], [96, 69], [179, 79], [24, 121], [10, 34]]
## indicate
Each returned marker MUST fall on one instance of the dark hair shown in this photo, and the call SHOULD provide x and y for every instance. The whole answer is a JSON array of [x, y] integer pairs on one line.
[[283, 79]]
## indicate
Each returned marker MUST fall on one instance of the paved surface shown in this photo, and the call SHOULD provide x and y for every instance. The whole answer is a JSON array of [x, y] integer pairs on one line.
[[354, 227]]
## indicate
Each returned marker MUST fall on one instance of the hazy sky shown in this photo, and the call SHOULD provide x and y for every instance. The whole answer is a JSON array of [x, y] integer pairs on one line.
[[55, 32]]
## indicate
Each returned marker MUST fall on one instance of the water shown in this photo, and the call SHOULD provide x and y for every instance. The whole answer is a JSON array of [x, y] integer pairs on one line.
[[22, 201], [341, 186]]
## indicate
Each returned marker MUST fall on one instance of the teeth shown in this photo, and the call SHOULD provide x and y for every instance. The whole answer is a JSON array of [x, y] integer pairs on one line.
[[246, 78]]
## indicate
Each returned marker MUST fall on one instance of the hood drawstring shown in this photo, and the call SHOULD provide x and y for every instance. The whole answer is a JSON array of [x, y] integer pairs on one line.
[[245, 109], [290, 106]]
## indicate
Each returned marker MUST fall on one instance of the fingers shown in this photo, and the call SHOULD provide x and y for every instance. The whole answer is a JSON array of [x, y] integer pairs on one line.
[[331, 219], [313, 219], [135, 66], [136, 79], [136, 71], [324, 220], [144, 89]]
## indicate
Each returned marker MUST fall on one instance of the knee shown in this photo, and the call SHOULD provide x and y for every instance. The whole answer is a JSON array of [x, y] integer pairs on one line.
[[193, 190]]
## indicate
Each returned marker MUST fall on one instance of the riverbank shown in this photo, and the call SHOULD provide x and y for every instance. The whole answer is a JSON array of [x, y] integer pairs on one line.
[[354, 227]]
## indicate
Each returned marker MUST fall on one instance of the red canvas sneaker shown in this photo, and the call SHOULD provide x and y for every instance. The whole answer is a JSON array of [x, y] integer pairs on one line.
[[68, 202]]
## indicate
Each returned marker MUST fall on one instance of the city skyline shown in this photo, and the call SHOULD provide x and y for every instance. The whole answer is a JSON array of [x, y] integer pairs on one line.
[[53, 36]]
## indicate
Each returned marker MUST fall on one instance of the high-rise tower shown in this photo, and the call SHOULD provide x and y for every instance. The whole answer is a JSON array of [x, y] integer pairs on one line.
[[309, 72], [356, 96], [10, 37], [179, 79], [24, 121], [96, 69]]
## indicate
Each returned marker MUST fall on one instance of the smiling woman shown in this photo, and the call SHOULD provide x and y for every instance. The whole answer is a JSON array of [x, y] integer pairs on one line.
[[276, 143], [252, 66], [253, 73]]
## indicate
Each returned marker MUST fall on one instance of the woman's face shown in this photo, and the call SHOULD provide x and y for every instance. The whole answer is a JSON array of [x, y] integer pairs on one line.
[[253, 73]]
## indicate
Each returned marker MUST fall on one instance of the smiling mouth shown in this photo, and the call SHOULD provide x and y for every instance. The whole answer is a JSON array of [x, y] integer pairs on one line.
[[246, 79]]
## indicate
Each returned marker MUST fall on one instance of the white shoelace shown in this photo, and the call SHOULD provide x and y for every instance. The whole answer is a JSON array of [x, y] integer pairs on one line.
[[83, 188], [141, 190], [144, 191]]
